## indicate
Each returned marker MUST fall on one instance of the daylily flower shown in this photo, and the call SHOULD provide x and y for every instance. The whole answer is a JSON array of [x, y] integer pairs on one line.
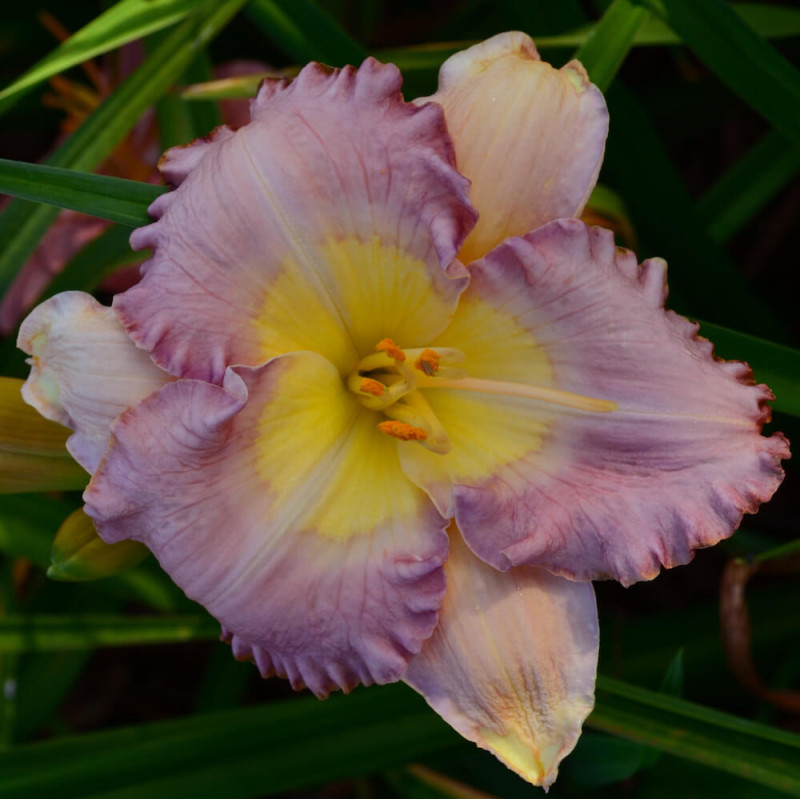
[[370, 462]]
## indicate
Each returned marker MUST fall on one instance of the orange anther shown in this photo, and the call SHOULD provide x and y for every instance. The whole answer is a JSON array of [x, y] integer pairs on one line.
[[371, 386], [391, 349], [428, 362], [402, 430]]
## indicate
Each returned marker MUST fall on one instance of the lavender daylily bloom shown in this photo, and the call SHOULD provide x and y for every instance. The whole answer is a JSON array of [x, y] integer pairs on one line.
[[379, 441]]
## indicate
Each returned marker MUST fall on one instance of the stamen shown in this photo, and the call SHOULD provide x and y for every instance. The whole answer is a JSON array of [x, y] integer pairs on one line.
[[371, 386], [428, 362], [543, 393], [391, 349], [402, 430]]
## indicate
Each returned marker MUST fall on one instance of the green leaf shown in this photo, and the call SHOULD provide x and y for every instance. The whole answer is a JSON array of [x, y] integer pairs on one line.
[[28, 524], [701, 275], [305, 32], [96, 261], [79, 554], [114, 199], [21, 633], [266, 749], [770, 756], [610, 40], [33, 453], [122, 23], [768, 21], [247, 752], [741, 59], [774, 364], [749, 185], [22, 224]]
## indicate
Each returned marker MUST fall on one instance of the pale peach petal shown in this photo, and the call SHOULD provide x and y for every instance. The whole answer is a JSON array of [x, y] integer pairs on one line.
[[512, 662], [529, 137]]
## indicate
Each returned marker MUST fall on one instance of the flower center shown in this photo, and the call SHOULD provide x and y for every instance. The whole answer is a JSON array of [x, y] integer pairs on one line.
[[390, 380]]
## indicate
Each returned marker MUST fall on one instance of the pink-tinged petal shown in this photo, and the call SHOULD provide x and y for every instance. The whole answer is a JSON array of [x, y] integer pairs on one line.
[[84, 370], [529, 137], [592, 493], [179, 162], [338, 203], [511, 665], [276, 503]]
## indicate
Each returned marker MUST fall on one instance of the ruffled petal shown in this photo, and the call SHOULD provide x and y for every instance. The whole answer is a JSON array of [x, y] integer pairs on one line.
[[325, 224], [511, 665], [84, 370], [529, 137], [592, 493], [275, 502]]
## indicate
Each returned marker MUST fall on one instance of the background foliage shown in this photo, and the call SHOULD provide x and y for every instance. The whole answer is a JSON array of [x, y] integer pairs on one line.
[[118, 688]]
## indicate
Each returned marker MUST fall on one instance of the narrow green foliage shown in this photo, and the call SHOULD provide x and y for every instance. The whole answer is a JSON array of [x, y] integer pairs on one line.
[[122, 23], [114, 199], [701, 273], [267, 748], [305, 32], [20, 633], [770, 756], [22, 224], [749, 185], [741, 59], [610, 40], [96, 261]]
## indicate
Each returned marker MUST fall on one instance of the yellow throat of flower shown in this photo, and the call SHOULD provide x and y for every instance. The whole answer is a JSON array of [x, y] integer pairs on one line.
[[391, 379]]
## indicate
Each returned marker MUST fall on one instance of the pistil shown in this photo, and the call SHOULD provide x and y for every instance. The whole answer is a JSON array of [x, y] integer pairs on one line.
[[544, 394]]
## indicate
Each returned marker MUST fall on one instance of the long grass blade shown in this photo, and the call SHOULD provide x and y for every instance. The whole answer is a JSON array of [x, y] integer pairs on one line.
[[114, 199], [21, 633], [610, 41], [741, 59], [122, 23], [749, 185], [23, 224]]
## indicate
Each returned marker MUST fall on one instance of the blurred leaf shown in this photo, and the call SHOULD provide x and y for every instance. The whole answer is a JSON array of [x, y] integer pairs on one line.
[[672, 683], [788, 549], [225, 681], [33, 454], [749, 185], [701, 274], [259, 751], [768, 21], [771, 22], [96, 261], [20, 633], [599, 760], [79, 554], [305, 32], [774, 364], [739, 57], [22, 224], [610, 40], [267, 748], [123, 22], [115, 199], [770, 756], [28, 524]]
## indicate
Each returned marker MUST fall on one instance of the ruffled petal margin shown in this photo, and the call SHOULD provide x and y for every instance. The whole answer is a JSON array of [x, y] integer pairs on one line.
[[85, 371], [595, 494], [276, 503], [339, 203], [530, 137], [511, 665]]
